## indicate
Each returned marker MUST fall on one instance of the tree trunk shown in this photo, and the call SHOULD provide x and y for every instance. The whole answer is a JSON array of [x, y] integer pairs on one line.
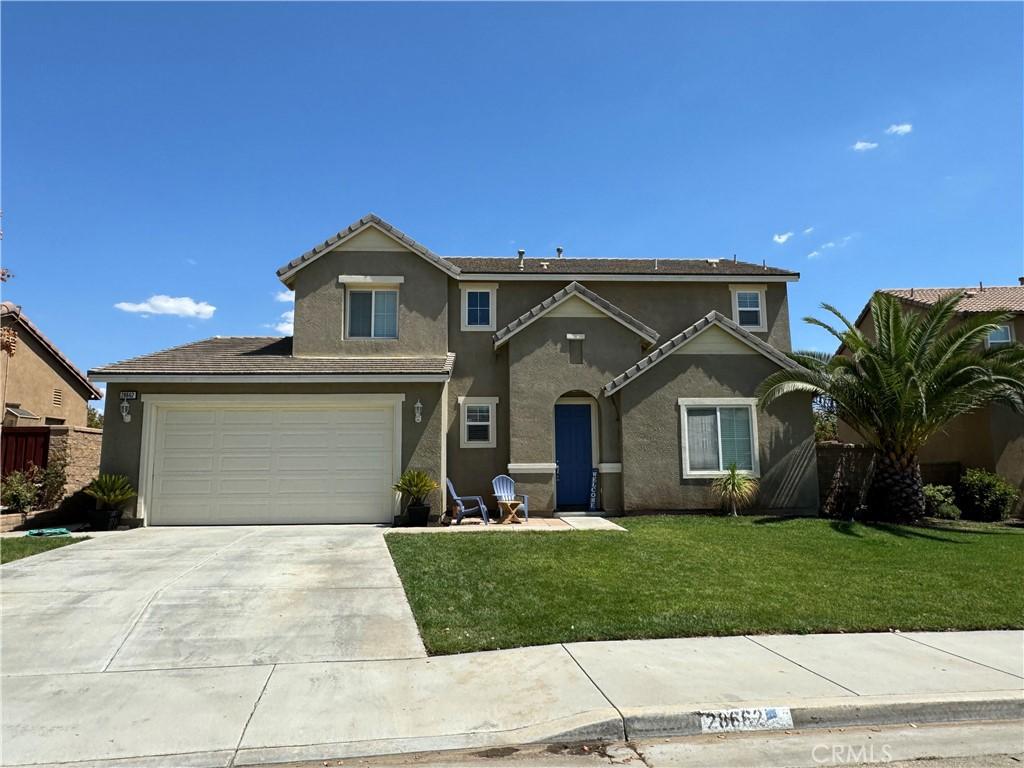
[[897, 492]]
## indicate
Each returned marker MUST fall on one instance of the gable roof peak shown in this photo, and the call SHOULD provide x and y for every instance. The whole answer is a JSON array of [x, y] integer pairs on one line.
[[17, 314], [714, 317], [577, 289], [287, 271]]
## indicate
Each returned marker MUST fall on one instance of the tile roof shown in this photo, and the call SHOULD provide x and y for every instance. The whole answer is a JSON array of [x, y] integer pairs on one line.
[[977, 299], [456, 265], [7, 309], [681, 338], [574, 289], [266, 355], [574, 266], [369, 219]]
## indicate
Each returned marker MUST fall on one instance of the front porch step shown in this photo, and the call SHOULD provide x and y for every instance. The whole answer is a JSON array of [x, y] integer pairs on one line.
[[581, 513]]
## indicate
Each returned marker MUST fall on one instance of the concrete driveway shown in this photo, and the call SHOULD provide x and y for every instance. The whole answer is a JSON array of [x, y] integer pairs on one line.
[[177, 598]]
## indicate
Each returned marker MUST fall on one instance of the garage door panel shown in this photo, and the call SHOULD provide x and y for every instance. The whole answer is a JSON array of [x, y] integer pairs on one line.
[[242, 486], [246, 440], [194, 441], [318, 439], [247, 417], [187, 463], [287, 464], [186, 417], [185, 485]]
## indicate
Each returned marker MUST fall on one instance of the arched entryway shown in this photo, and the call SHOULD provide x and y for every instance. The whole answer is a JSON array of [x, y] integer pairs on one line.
[[576, 450]]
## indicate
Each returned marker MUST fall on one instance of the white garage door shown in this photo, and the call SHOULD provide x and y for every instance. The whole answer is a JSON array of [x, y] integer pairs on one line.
[[282, 463]]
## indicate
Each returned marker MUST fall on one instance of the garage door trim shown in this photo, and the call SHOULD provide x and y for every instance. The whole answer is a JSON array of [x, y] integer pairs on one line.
[[152, 403]]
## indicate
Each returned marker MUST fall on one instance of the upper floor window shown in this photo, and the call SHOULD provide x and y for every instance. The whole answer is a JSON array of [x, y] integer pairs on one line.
[[1000, 337], [748, 310], [478, 306], [373, 314]]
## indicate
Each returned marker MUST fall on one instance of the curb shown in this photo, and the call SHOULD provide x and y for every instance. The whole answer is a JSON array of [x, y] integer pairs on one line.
[[596, 726], [648, 722]]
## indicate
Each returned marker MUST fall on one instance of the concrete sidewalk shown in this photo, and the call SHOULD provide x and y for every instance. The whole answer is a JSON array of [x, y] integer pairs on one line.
[[606, 691]]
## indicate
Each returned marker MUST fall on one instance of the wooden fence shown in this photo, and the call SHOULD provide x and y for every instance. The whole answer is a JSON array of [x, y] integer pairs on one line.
[[21, 447]]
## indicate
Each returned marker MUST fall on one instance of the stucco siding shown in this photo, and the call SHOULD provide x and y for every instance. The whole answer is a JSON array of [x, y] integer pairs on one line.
[[540, 373], [29, 379], [421, 443], [320, 306], [652, 435], [668, 308]]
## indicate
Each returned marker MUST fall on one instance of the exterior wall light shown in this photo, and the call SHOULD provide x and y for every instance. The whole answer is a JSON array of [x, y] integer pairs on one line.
[[127, 395], [418, 408]]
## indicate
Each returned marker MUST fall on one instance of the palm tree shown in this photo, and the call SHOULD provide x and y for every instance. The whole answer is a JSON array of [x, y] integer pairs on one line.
[[923, 369]]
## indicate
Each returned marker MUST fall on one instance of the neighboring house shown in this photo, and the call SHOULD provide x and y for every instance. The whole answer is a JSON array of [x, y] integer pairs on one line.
[[40, 386], [991, 438], [548, 369]]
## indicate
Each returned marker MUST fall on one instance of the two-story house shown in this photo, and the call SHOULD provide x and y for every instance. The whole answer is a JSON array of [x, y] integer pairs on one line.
[[39, 386], [552, 370]]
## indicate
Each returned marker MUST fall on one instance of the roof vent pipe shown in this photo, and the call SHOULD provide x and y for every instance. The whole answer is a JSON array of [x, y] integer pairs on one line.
[[1021, 280], [655, 265], [522, 256], [559, 250]]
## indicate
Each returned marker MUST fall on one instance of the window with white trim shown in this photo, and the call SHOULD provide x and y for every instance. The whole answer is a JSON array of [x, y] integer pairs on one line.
[[1001, 337], [373, 313], [477, 416], [717, 434], [479, 307], [748, 307]]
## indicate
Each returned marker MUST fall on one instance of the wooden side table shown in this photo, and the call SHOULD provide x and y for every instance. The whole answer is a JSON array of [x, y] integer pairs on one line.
[[509, 511]]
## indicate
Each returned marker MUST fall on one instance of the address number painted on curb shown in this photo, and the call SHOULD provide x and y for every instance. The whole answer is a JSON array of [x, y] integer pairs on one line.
[[761, 719]]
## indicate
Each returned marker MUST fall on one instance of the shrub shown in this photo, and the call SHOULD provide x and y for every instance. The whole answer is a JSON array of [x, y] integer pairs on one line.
[[946, 512], [940, 501], [111, 491], [735, 490], [53, 480], [986, 496], [20, 490], [417, 485]]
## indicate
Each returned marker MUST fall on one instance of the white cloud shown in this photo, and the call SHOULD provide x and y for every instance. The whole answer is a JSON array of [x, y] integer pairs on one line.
[[179, 306], [813, 254], [826, 246], [286, 325], [286, 297], [808, 230], [191, 262], [780, 239], [864, 146], [899, 129]]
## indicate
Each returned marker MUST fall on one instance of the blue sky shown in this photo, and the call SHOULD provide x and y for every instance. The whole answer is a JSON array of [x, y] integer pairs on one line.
[[190, 149]]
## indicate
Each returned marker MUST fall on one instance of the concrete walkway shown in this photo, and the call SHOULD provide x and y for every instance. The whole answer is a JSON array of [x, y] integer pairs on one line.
[[607, 691]]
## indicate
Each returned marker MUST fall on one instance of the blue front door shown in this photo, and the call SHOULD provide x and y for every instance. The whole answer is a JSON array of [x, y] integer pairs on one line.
[[573, 454]]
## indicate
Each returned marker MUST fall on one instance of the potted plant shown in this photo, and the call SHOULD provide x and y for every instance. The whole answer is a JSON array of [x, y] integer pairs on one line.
[[417, 486], [735, 489], [111, 492]]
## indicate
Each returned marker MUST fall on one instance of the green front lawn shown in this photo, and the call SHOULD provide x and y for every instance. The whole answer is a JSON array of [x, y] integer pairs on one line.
[[687, 576], [15, 548]]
